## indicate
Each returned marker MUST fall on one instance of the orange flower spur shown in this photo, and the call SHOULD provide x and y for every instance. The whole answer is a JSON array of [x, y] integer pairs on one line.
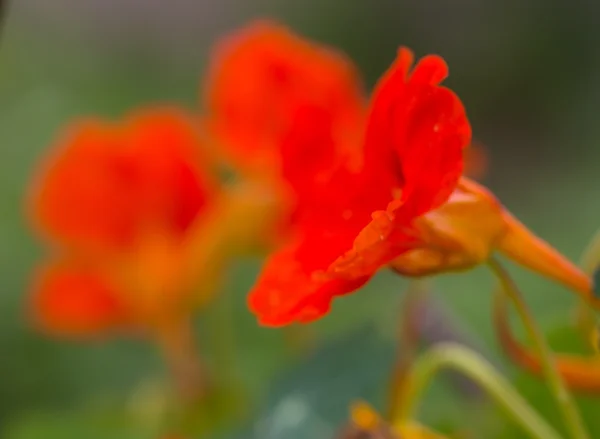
[[369, 185], [118, 203], [464, 232]]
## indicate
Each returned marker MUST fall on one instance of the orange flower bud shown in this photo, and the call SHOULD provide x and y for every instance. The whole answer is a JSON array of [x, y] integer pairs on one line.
[[472, 224], [458, 235], [395, 199]]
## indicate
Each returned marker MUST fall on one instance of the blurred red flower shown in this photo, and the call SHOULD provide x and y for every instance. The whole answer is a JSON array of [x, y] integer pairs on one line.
[[73, 299], [117, 201], [294, 111], [280, 104]]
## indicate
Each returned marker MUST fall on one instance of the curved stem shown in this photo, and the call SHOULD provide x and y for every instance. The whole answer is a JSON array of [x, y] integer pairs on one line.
[[590, 260], [558, 389], [455, 356]]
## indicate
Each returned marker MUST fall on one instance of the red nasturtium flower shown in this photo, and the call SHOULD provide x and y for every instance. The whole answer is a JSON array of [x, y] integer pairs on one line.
[[118, 202], [279, 103], [369, 185], [462, 233], [401, 159]]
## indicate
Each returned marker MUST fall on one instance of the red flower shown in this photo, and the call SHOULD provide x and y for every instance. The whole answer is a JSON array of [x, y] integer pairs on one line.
[[118, 202], [106, 184], [345, 185], [277, 102], [421, 129], [71, 299]]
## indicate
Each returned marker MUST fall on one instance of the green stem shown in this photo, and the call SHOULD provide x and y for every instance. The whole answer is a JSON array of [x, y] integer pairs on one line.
[[176, 340], [590, 260], [455, 356], [591, 256], [223, 335], [558, 389]]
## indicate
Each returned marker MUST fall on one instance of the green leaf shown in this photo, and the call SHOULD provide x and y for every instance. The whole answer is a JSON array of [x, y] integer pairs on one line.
[[312, 399]]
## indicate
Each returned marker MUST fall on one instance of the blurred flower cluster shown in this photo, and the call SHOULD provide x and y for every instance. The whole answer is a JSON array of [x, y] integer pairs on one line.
[[287, 157]]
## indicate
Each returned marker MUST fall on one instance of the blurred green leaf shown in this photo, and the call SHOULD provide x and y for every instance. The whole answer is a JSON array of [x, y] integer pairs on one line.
[[74, 426], [312, 399]]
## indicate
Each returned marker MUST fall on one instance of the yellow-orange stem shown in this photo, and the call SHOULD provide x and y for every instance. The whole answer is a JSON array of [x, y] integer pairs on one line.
[[245, 214]]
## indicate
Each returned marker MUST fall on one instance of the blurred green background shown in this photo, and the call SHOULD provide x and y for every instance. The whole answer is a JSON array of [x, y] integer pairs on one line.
[[527, 72]]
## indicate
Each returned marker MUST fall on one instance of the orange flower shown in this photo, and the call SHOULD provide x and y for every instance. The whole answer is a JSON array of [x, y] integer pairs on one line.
[[296, 107], [119, 203]]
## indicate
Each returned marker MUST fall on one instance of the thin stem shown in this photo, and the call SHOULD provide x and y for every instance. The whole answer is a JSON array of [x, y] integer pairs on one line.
[[223, 336], [408, 340], [464, 360], [590, 260], [558, 389], [179, 349]]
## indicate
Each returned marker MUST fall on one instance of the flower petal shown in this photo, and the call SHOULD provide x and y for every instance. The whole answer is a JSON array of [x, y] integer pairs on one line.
[[105, 183], [285, 293], [264, 81], [421, 128], [73, 300]]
